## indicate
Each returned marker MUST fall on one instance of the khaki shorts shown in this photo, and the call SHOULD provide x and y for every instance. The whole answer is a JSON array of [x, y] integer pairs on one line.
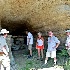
[[51, 54], [30, 46], [68, 51], [5, 60]]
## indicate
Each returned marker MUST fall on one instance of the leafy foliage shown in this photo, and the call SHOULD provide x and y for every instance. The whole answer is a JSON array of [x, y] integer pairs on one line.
[[63, 53]]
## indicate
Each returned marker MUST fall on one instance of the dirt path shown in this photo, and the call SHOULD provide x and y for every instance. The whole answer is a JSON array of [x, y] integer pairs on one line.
[[26, 64]]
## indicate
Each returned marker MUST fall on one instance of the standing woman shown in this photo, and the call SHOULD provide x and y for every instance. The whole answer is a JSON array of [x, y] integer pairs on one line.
[[40, 45]]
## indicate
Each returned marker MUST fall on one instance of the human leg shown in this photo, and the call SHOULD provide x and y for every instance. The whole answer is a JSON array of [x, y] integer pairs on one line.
[[2, 67], [47, 55], [30, 49], [6, 62], [55, 60], [31, 52], [53, 55], [8, 67], [46, 59], [39, 53], [42, 52]]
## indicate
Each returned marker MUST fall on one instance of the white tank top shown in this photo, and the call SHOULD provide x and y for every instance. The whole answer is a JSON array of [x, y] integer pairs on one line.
[[40, 42]]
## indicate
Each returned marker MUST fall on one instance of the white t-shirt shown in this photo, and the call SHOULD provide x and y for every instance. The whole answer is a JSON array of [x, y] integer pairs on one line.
[[68, 41], [40, 42], [30, 36], [27, 40]]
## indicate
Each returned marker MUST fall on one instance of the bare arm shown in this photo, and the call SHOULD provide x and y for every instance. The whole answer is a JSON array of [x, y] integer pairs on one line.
[[28, 40], [5, 51], [43, 40], [57, 45]]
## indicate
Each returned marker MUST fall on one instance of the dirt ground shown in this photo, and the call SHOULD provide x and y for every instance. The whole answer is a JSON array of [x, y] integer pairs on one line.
[[23, 63]]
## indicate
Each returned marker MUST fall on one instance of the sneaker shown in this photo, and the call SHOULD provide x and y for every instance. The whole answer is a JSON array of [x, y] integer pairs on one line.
[[45, 61], [55, 62]]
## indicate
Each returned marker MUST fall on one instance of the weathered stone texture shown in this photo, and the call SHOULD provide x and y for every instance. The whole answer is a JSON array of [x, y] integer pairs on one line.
[[12, 61], [42, 15], [36, 15]]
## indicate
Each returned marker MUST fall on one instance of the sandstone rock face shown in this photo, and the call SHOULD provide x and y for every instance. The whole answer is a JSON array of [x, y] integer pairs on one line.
[[13, 66], [35, 15]]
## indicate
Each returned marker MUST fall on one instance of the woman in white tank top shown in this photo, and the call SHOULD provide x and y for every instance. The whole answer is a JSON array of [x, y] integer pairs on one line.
[[40, 45]]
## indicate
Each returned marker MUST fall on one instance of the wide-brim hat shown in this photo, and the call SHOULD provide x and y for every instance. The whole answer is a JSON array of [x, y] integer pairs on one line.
[[4, 31], [67, 31]]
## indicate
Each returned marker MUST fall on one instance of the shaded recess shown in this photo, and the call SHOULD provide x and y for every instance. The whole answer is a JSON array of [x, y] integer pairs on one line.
[[17, 27]]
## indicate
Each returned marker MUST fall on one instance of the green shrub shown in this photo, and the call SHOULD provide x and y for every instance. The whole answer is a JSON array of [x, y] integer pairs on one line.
[[67, 65], [63, 53]]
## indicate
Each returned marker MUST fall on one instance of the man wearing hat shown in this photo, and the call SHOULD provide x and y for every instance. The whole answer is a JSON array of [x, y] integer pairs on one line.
[[4, 58], [67, 44]]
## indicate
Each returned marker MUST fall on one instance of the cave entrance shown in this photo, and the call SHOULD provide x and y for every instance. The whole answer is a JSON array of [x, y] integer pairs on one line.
[[17, 30], [17, 27]]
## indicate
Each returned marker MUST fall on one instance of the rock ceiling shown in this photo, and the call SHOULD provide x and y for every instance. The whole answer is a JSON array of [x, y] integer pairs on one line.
[[35, 15]]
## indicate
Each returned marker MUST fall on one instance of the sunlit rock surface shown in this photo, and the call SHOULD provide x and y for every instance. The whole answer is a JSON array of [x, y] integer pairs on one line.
[[35, 15]]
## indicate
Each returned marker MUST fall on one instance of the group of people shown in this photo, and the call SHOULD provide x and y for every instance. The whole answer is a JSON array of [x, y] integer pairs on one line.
[[53, 43]]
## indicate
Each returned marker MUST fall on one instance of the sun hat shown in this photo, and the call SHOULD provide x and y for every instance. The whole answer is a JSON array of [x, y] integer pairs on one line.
[[4, 31], [67, 31]]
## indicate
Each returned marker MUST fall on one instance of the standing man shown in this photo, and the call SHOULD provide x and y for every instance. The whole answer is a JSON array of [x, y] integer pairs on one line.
[[4, 50], [53, 43], [68, 41], [29, 42]]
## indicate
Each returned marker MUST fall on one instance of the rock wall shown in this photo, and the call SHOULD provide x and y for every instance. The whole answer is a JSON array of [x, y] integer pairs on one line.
[[37, 15], [0, 25], [13, 66]]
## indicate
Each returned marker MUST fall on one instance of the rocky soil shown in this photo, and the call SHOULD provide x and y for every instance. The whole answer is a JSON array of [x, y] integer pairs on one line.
[[22, 63]]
